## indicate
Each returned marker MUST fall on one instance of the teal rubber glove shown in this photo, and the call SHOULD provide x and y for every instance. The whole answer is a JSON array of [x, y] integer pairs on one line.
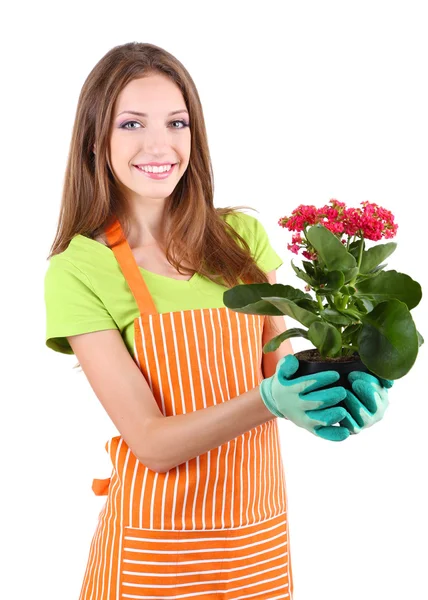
[[296, 400], [367, 405]]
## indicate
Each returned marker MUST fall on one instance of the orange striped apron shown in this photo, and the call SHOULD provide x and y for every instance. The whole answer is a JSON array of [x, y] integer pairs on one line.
[[214, 527]]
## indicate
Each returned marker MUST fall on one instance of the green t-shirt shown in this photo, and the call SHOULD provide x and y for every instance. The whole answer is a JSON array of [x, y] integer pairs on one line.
[[85, 290]]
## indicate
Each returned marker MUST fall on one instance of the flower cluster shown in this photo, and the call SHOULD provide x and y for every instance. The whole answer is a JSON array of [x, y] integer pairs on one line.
[[371, 222]]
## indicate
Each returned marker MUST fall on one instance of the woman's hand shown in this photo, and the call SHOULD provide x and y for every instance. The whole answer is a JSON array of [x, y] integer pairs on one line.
[[368, 402], [295, 399]]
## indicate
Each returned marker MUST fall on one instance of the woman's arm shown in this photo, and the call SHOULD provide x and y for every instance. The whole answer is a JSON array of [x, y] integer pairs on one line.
[[182, 437], [160, 443]]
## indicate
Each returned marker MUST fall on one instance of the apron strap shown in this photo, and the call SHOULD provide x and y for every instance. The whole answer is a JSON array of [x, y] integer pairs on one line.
[[130, 270]]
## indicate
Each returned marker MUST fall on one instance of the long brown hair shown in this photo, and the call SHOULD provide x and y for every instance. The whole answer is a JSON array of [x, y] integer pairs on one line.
[[92, 199]]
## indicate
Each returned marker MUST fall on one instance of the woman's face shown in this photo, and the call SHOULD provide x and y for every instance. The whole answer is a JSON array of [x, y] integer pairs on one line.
[[157, 136]]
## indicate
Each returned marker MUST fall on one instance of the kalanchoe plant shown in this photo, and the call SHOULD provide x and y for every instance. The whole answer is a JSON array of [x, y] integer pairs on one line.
[[356, 307]]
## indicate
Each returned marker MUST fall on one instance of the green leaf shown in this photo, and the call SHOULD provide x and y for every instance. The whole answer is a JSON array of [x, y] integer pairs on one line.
[[333, 281], [326, 338], [354, 248], [350, 274], [350, 331], [287, 307], [302, 275], [363, 304], [375, 255], [310, 305], [309, 268], [275, 342], [334, 316], [388, 341], [248, 298], [420, 339], [373, 273], [331, 250], [347, 290], [321, 293], [388, 285], [376, 270]]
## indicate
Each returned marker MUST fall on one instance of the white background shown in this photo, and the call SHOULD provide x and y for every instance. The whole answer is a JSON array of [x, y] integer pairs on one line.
[[304, 101]]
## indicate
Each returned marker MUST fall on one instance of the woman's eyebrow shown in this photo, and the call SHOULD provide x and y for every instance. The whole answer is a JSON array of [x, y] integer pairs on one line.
[[141, 114]]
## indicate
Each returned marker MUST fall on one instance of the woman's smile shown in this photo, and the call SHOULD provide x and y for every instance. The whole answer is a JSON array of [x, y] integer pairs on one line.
[[163, 174]]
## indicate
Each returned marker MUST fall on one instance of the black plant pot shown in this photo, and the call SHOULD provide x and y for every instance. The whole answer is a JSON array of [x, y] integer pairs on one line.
[[307, 367]]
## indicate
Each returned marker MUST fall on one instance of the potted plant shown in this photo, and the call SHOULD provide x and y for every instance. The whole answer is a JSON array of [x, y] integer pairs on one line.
[[354, 311]]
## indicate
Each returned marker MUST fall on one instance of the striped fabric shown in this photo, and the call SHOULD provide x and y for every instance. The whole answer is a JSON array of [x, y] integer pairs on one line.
[[215, 526]]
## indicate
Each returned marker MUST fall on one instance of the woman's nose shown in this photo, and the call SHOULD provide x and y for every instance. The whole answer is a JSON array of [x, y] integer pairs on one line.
[[155, 140]]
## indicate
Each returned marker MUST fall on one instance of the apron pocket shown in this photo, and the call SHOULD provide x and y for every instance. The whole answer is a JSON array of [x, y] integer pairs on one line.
[[166, 563], [236, 562]]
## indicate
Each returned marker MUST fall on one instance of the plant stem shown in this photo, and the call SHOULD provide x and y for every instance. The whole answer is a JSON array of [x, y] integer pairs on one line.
[[360, 258], [344, 301], [330, 301], [304, 233], [360, 254], [320, 303], [350, 352]]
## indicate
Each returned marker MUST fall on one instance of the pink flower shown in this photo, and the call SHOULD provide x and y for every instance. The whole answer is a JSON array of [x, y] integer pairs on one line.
[[328, 212], [352, 221], [331, 217], [377, 222], [333, 212], [300, 218], [333, 226], [294, 248], [310, 255], [372, 229], [391, 231], [371, 222]]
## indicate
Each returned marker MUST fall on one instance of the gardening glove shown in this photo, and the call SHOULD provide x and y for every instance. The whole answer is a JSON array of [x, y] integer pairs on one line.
[[367, 405], [296, 400]]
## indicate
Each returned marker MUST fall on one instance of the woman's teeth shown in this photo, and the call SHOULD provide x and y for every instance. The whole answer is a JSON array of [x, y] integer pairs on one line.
[[150, 169]]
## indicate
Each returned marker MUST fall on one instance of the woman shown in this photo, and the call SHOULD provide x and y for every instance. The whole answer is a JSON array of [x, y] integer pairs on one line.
[[196, 503]]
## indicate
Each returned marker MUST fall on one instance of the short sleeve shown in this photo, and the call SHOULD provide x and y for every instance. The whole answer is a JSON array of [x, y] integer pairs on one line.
[[72, 306], [264, 253]]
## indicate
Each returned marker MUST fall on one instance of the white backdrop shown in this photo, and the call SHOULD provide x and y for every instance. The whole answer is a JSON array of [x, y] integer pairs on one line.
[[304, 101]]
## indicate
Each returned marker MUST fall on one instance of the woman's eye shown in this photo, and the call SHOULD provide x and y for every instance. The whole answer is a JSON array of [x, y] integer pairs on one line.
[[183, 123], [124, 126]]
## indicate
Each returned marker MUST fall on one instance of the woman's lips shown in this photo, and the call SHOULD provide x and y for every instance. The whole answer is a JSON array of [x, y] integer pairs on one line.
[[158, 176]]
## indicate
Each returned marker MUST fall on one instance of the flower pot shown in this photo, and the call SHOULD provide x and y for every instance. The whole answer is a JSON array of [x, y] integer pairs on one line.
[[310, 361]]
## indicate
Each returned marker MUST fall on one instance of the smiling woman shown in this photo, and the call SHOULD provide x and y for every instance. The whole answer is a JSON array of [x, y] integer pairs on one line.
[[176, 371], [196, 467], [156, 138]]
